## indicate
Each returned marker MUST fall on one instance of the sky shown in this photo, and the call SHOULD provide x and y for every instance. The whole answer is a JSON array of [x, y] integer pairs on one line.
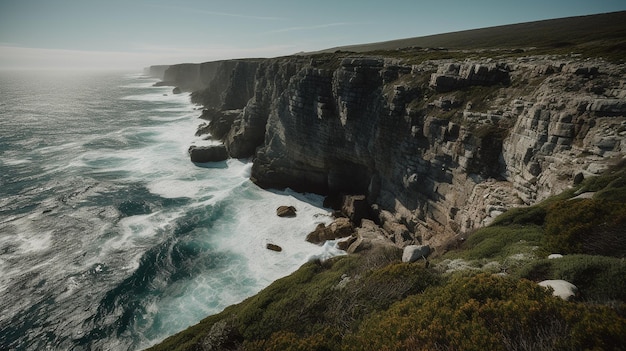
[[132, 34]]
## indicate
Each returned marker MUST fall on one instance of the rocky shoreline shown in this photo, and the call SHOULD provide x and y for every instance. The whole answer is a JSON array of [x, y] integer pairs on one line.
[[412, 152]]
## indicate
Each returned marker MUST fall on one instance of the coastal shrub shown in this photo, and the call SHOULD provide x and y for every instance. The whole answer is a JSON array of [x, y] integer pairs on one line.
[[341, 309], [614, 191], [487, 312], [598, 278], [376, 291], [293, 303], [589, 226], [333, 293], [521, 216], [289, 341], [500, 242], [334, 298], [613, 179]]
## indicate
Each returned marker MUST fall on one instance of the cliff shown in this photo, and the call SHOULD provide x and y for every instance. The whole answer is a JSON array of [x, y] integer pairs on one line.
[[428, 146], [157, 71], [206, 79], [439, 147]]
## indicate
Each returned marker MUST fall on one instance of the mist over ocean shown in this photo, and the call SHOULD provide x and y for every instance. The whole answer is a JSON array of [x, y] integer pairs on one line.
[[110, 238]]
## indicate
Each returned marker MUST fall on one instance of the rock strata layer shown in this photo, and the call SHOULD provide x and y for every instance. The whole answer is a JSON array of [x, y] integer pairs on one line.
[[431, 150]]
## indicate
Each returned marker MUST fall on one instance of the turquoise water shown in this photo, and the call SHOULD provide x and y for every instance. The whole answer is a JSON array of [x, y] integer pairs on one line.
[[110, 238]]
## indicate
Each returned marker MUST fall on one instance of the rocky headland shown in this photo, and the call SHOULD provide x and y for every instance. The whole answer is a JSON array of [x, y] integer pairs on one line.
[[438, 147], [478, 177]]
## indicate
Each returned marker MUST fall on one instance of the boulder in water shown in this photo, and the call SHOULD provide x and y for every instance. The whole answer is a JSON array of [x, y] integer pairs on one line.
[[273, 247], [202, 154], [286, 211]]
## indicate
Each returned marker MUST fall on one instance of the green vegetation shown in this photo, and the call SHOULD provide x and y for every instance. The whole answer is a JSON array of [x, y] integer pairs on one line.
[[487, 312], [599, 278]]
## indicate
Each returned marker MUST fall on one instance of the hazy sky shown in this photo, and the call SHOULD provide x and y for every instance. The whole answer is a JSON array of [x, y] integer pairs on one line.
[[134, 34]]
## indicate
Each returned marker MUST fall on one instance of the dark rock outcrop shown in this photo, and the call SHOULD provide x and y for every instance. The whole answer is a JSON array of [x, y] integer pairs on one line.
[[318, 137], [226, 83], [220, 123], [203, 154], [273, 247], [272, 78]]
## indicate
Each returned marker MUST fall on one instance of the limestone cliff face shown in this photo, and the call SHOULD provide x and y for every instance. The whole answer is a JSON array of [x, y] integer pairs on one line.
[[571, 124], [362, 128], [271, 80], [321, 132], [439, 148]]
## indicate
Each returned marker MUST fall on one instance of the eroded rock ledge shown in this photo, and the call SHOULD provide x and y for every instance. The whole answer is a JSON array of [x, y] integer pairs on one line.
[[436, 148]]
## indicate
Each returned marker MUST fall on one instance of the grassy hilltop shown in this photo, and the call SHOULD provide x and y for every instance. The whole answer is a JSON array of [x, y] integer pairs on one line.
[[603, 34]]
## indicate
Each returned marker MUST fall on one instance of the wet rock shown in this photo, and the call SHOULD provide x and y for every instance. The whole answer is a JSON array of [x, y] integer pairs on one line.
[[220, 123], [203, 154], [286, 211], [345, 244], [273, 247]]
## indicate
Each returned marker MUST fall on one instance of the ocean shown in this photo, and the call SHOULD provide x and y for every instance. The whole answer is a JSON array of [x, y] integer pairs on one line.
[[110, 238]]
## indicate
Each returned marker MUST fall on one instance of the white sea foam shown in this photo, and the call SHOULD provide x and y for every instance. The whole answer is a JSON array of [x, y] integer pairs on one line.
[[14, 162], [163, 95], [147, 84], [73, 234]]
